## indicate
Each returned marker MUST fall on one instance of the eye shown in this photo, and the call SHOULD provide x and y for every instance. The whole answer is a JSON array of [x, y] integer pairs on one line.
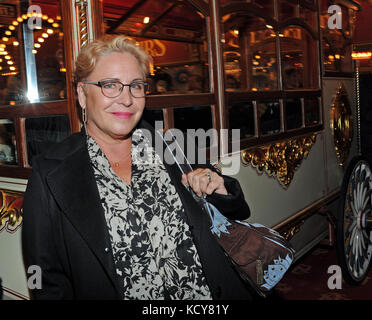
[[137, 85], [110, 85]]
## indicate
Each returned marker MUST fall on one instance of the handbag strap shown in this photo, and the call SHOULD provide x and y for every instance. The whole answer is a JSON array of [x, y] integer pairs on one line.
[[218, 220], [184, 165]]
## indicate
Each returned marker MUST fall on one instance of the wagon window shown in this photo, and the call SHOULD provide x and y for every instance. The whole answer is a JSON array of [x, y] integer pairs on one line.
[[32, 63], [311, 107], [32, 73], [151, 116], [250, 61], [193, 118], [299, 58], [195, 121], [271, 68], [174, 34], [269, 115], [242, 117], [293, 113], [8, 151]]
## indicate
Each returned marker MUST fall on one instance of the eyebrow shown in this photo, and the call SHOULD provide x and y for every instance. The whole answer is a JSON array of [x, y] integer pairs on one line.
[[116, 79]]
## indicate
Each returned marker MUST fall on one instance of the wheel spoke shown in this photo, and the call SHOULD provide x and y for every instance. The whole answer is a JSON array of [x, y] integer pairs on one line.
[[363, 173], [362, 196], [353, 209], [349, 229]]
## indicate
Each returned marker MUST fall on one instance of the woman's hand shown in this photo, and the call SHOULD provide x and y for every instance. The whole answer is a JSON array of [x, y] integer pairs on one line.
[[204, 181]]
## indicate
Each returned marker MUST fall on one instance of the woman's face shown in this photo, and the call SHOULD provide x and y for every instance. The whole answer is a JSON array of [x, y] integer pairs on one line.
[[112, 118]]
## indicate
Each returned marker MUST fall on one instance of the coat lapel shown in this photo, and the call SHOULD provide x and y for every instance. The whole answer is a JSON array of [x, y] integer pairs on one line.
[[75, 190]]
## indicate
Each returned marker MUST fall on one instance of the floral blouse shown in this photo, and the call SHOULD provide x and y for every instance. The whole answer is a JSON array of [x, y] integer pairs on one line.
[[154, 254]]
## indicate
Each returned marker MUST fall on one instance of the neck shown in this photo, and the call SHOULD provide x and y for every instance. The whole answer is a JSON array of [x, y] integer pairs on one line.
[[117, 151]]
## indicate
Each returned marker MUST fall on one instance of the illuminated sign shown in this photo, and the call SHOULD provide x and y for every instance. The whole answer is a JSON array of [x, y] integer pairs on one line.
[[361, 55]]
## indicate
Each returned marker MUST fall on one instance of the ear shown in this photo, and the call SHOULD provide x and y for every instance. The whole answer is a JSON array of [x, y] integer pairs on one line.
[[82, 95]]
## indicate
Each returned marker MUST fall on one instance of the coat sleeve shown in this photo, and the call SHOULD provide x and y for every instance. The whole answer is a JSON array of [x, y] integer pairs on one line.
[[39, 235], [233, 205]]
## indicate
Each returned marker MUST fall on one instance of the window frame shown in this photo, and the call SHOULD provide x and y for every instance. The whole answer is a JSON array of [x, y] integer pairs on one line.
[[280, 94], [18, 113]]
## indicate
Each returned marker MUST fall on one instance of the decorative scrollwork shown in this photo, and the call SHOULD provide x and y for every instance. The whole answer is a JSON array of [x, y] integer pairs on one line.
[[10, 210], [341, 123], [280, 159]]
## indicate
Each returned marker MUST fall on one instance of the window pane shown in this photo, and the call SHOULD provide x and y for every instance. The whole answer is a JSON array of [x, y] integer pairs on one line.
[[299, 59], [249, 54], [8, 151], [43, 132], [32, 64], [288, 10], [174, 34], [269, 114], [311, 111], [309, 17], [241, 116], [293, 113], [194, 118], [266, 5], [153, 115]]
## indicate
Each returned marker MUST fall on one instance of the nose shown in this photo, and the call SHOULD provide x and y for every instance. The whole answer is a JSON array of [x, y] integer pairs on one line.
[[125, 97]]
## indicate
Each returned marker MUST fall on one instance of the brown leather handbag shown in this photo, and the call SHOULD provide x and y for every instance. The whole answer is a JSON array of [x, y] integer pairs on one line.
[[260, 254]]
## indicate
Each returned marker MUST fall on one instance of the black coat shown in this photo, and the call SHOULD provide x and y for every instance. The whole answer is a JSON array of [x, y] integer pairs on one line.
[[65, 233]]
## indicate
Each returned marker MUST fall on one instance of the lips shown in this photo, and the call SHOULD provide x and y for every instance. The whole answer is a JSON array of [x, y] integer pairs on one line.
[[122, 115]]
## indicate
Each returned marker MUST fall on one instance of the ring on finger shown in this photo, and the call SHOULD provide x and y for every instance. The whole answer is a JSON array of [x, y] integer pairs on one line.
[[208, 174]]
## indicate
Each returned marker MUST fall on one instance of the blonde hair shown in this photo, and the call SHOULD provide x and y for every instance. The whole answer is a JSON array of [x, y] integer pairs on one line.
[[90, 54]]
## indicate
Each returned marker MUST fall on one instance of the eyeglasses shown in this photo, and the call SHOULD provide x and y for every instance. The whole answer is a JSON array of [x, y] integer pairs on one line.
[[113, 88]]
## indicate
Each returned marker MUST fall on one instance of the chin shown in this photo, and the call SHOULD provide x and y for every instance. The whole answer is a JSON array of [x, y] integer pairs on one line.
[[123, 131]]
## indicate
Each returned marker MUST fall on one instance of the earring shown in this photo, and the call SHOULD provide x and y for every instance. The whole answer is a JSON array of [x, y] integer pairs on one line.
[[84, 116]]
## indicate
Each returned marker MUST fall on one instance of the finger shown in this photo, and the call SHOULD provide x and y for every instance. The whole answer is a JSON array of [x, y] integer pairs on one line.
[[184, 180], [193, 179], [216, 185], [200, 180], [205, 180]]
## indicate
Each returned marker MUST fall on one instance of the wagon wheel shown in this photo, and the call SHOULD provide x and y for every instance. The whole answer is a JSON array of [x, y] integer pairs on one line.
[[354, 236]]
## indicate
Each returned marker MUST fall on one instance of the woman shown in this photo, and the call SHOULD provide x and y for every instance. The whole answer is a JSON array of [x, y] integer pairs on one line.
[[103, 225]]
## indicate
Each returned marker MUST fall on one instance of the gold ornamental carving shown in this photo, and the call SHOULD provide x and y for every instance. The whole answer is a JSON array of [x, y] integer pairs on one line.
[[291, 229], [10, 210], [279, 159], [341, 123]]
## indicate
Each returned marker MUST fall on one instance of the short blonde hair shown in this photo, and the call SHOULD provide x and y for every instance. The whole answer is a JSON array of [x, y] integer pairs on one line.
[[90, 54]]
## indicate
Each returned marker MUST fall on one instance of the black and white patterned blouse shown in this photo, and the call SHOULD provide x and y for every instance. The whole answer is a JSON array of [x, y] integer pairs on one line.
[[154, 255]]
